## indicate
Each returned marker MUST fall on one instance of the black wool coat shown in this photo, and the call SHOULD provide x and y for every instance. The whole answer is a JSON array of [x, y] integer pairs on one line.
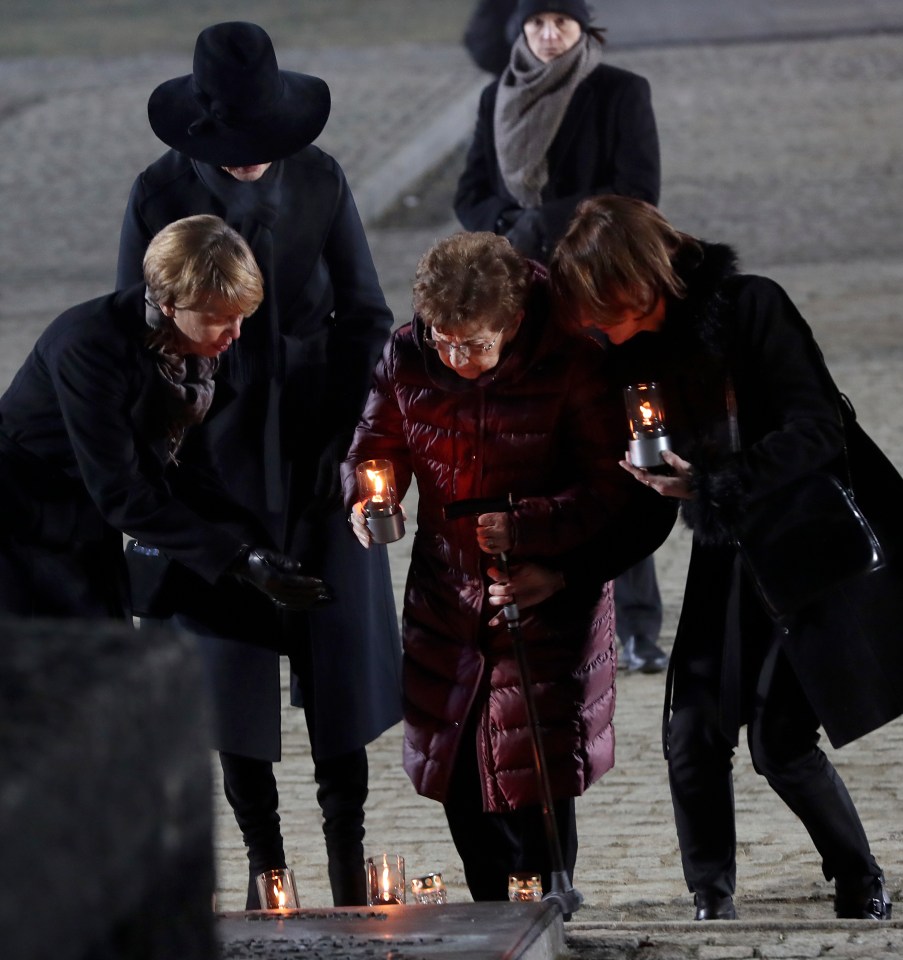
[[83, 458], [607, 143], [846, 648], [287, 404]]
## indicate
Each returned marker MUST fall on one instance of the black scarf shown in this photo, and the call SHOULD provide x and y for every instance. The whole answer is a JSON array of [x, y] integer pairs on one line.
[[257, 358], [252, 209]]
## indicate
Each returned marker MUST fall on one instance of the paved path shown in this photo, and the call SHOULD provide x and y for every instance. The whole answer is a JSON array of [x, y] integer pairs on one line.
[[788, 143]]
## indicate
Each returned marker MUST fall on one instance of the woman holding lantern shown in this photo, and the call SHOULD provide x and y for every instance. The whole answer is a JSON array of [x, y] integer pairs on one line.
[[480, 396], [750, 408]]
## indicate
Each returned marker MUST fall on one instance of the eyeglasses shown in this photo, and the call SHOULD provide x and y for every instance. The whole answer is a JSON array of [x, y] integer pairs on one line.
[[463, 350]]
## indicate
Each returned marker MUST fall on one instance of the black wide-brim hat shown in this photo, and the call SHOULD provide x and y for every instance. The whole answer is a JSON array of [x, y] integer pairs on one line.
[[237, 108]]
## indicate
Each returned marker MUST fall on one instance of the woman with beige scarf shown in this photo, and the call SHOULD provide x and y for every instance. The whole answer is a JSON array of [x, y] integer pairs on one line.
[[559, 125]]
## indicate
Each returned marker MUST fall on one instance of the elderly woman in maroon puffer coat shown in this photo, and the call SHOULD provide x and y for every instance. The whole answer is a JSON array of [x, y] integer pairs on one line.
[[481, 396]]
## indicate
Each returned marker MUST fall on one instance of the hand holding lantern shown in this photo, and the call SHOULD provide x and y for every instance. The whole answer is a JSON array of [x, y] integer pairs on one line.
[[379, 500]]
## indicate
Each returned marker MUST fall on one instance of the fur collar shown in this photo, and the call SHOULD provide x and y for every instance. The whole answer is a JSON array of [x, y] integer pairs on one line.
[[699, 320]]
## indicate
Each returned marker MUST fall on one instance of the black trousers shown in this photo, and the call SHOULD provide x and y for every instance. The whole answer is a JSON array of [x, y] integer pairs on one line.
[[250, 788], [492, 845], [782, 732], [638, 602]]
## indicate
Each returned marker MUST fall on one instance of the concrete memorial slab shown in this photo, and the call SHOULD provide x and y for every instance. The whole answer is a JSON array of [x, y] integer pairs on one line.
[[475, 931]]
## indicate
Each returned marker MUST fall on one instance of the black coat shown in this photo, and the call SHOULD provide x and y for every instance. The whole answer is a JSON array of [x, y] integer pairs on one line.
[[846, 648], [277, 438], [607, 143], [83, 458]]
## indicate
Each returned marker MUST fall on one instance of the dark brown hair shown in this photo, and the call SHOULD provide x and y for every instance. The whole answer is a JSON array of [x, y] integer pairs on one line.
[[618, 252]]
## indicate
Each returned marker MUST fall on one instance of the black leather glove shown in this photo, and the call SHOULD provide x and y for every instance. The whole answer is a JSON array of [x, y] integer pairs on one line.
[[281, 579]]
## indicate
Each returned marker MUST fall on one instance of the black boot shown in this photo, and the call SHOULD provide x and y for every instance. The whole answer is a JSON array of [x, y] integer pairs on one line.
[[250, 788], [341, 792], [863, 902]]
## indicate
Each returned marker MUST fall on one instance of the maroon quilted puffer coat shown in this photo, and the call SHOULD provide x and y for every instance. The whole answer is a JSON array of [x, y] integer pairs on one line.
[[546, 426]]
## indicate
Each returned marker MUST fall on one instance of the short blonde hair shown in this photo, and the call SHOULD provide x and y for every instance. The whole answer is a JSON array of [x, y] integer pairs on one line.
[[197, 259], [618, 252], [469, 278]]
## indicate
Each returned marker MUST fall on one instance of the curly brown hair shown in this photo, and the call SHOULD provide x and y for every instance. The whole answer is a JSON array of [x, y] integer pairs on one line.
[[469, 279]]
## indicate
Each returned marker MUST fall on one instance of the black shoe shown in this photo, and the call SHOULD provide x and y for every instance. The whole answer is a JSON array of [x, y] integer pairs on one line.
[[713, 906], [868, 903], [655, 660], [630, 661], [642, 653]]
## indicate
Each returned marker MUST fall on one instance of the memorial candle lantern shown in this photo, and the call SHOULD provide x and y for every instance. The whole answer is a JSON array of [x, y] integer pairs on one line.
[[377, 490], [646, 423], [429, 889], [276, 889], [524, 887], [385, 880]]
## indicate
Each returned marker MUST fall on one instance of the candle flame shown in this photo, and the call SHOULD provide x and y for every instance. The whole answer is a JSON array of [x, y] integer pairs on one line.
[[386, 894], [377, 483], [646, 413], [279, 895]]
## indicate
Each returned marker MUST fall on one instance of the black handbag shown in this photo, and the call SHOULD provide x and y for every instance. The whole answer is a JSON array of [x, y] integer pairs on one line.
[[805, 538], [149, 577]]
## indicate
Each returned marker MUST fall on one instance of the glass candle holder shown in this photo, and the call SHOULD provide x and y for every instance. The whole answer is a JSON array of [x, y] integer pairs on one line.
[[524, 887], [385, 880], [429, 889], [276, 889]]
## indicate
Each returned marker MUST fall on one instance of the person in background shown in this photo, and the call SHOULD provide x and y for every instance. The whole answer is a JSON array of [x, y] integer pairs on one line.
[[489, 34], [482, 396], [750, 408], [92, 427], [240, 132], [559, 125]]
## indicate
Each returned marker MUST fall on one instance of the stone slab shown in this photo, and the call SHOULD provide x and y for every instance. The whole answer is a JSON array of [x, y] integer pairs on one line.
[[484, 931]]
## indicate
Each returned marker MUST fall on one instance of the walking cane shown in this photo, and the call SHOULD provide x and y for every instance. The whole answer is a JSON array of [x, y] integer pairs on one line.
[[563, 891]]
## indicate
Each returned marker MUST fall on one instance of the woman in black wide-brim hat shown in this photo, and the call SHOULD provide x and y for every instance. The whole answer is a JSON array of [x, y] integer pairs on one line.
[[240, 131]]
